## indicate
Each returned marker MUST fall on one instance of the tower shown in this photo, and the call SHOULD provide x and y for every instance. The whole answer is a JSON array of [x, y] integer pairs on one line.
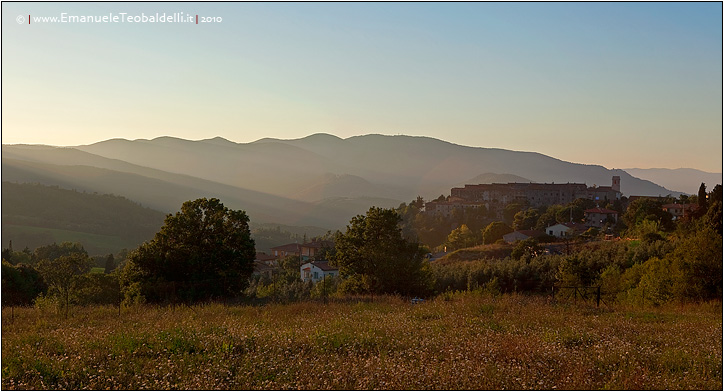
[[616, 183]]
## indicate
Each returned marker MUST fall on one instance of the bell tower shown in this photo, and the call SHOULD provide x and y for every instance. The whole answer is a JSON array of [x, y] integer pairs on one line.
[[616, 183]]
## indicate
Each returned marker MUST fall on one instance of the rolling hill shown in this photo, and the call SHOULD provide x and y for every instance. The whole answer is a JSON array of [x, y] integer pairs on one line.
[[320, 180], [35, 215], [405, 165]]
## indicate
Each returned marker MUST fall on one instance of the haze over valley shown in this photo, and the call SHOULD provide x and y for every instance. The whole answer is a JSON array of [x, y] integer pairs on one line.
[[319, 181]]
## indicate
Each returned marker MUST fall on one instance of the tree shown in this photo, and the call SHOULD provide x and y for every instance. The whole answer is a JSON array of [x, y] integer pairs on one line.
[[513, 208], [54, 251], [526, 249], [495, 231], [461, 237], [98, 288], [203, 251], [549, 217], [713, 216], [62, 274], [641, 210], [701, 199], [418, 203], [110, 264], [20, 284], [526, 220], [15, 257], [374, 257]]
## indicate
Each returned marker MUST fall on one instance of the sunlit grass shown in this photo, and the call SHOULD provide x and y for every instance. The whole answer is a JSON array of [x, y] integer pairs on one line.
[[466, 342]]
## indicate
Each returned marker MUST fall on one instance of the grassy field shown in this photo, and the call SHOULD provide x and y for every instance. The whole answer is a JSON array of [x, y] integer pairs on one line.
[[465, 342]]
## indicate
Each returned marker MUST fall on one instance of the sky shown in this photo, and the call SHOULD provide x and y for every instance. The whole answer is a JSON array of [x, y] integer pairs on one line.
[[616, 84]]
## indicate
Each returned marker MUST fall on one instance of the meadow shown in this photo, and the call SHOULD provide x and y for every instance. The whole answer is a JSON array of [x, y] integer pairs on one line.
[[459, 341]]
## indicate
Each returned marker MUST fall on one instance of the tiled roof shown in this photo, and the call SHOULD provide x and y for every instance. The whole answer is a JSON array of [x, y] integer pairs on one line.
[[324, 266], [287, 248], [531, 233], [261, 256], [261, 267], [318, 244]]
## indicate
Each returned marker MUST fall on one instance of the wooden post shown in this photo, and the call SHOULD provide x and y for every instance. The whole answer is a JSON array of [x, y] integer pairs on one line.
[[598, 296], [324, 287]]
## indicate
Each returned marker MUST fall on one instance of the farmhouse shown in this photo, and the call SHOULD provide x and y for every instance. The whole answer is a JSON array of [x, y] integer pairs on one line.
[[563, 230], [307, 250]]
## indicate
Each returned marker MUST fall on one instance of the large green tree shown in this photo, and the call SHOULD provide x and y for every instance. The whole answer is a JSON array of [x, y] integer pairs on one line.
[[374, 257], [20, 284], [641, 210], [526, 220], [54, 251], [202, 252], [461, 237], [495, 231], [63, 275]]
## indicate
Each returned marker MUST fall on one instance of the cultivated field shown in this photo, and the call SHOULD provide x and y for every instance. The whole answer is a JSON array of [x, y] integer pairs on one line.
[[464, 342]]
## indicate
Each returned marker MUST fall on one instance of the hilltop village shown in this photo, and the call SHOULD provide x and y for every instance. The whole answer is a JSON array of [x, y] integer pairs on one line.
[[495, 197], [500, 213]]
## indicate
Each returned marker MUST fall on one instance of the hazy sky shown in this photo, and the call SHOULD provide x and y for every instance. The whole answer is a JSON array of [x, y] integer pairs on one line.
[[617, 84]]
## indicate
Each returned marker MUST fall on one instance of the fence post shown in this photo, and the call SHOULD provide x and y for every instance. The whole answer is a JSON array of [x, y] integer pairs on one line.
[[598, 296]]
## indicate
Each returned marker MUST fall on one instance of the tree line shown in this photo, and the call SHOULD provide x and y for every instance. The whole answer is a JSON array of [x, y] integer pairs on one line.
[[205, 252]]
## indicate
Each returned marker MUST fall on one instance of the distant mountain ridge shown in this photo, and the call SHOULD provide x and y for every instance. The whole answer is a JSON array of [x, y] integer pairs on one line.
[[494, 178], [320, 180], [682, 180], [420, 165]]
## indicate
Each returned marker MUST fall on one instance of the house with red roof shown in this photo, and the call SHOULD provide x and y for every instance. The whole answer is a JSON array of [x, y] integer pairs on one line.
[[679, 211], [317, 270], [306, 251], [282, 251], [598, 217], [568, 229]]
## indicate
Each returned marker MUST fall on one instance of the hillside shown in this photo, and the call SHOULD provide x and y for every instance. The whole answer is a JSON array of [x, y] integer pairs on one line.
[[167, 191], [332, 185], [35, 215], [320, 180]]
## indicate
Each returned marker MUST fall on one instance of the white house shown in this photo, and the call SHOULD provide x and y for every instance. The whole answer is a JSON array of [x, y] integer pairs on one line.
[[567, 229], [317, 270]]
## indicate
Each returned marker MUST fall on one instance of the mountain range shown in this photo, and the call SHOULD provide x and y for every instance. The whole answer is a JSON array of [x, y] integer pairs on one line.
[[682, 180], [320, 180]]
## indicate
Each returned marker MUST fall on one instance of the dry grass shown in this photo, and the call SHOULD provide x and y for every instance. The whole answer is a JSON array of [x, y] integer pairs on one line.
[[471, 342]]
